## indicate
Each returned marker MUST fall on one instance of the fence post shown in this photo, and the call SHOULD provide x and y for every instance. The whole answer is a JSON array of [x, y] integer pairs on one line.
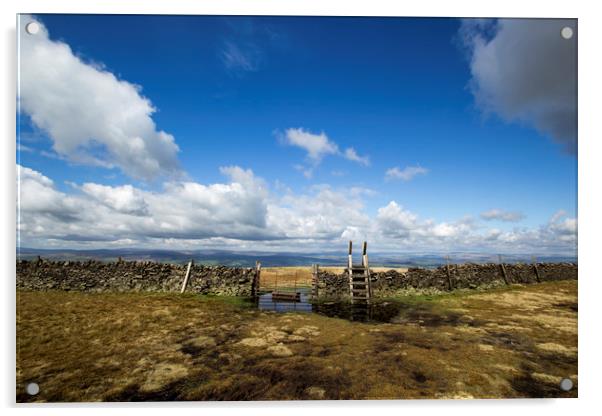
[[256, 279], [185, 283], [350, 268], [503, 269], [314, 280]]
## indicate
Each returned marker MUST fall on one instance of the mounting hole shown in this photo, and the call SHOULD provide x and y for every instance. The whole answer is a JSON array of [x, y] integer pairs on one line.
[[32, 389], [566, 384], [32, 28], [566, 32]]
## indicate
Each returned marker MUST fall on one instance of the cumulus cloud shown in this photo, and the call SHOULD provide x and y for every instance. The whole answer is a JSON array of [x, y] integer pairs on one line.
[[394, 221], [317, 147], [352, 155], [323, 213], [558, 235], [525, 71], [182, 210], [562, 226], [406, 174], [38, 196], [501, 215], [91, 116], [242, 212], [125, 199]]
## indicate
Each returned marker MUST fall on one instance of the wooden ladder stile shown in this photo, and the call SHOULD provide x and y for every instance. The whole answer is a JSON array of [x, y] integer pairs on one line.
[[315, 269], [360, 286], [366, 270], [350, 268]]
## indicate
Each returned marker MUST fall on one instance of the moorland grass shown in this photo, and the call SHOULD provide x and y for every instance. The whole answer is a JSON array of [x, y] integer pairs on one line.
[[507, 342]]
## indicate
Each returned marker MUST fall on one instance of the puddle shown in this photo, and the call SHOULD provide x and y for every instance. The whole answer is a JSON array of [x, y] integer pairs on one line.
[[266, 303], [373, 312], [376, 311]]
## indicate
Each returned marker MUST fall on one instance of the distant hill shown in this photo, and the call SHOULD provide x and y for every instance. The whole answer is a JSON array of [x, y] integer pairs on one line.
[[247, 259]]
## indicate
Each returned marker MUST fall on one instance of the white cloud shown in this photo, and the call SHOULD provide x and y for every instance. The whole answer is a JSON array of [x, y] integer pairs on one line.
[[394, 221], [397, 223], [324, 213], [245, 177], [38, 196], [352, 155], [501, 215], [317, 147], [242, 213], [245, 57], [563, 227], [445, 230], [91, 116], [406, 174], [23, 148], [182, 210], [307, 171], [125, 199], [526, 72]]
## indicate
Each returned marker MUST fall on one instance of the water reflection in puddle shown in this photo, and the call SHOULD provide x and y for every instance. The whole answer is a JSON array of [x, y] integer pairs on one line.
[[266, 303], [391, 311], [377, 311]]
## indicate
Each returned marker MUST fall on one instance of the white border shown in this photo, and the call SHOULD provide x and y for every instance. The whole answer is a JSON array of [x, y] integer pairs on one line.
[[590, 139]]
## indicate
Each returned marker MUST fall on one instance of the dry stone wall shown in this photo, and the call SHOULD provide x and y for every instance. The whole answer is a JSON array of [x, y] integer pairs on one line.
[[332, 285], [461, 276], [125, 276]]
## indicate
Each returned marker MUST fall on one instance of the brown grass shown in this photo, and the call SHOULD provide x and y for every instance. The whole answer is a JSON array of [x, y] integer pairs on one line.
[[122, 347]]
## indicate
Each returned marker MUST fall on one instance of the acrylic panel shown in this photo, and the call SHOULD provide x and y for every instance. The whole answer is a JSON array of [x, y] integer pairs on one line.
[[295, 208]]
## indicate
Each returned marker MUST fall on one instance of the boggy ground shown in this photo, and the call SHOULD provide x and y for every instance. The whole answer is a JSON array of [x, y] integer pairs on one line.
[[514, 342]]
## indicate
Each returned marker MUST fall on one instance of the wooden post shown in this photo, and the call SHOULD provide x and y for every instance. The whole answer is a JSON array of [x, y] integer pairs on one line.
[[368, 278], [449, 281], [256, 279], [185, 283], [350, 268], [504, 275], [258, 273], [314, 280], [533, 260]]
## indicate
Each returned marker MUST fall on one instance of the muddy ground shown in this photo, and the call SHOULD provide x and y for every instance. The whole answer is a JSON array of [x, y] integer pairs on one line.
[[513, 342]]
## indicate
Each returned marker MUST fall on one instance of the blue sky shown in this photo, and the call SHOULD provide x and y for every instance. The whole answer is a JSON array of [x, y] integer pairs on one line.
[[406, 94]]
